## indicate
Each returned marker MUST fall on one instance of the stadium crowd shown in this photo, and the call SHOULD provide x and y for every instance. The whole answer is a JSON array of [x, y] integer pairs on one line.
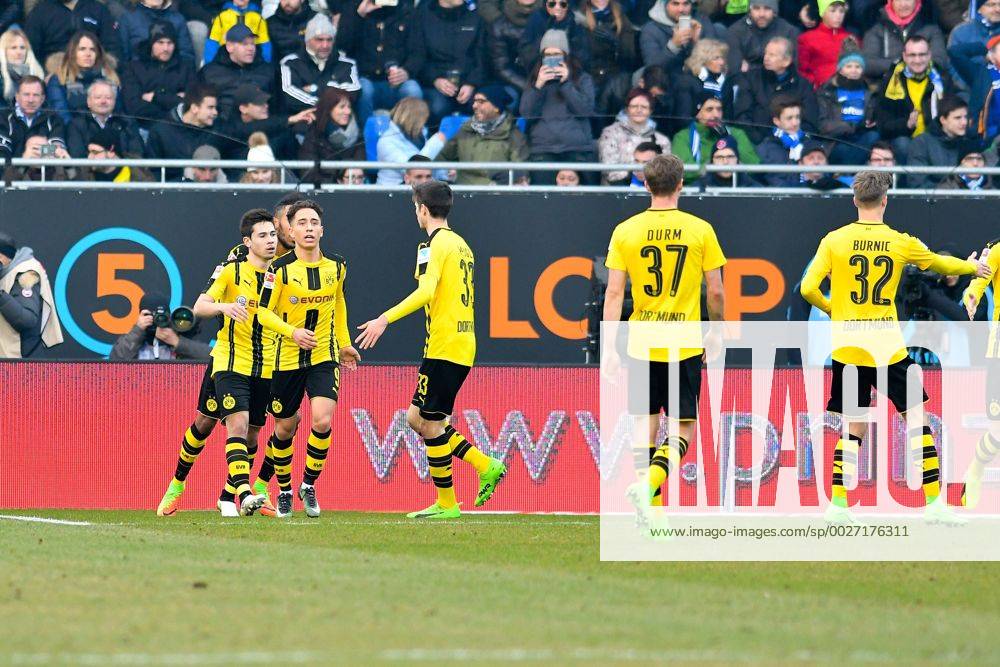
[[907, 82]]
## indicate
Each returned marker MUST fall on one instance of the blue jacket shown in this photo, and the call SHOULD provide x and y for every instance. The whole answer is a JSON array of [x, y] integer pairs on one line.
[[970, 33], [134, 28], [968, 59], [70, 100], [394, 146]]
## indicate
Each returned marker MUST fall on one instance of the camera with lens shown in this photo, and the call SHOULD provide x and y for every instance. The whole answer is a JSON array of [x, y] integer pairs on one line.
[[181, 319], [914, 291]]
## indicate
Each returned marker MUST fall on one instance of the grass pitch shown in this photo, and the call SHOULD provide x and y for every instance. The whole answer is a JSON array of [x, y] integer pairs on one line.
[[364, 588]]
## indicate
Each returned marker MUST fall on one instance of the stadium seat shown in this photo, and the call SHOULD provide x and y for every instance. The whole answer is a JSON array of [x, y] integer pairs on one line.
[[522, 125], [375, 126], [451, 124]]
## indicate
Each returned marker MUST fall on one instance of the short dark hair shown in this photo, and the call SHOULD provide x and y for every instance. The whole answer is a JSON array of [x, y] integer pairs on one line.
[[883, 145], [303, 204], [664, 174], [288, 200], [8, 246], [436, 196], [950, 104], [655, 76], [417, 157], [196, 94], [782, 102], [30, 78], [251, 218], [647, 146], [914, 37]]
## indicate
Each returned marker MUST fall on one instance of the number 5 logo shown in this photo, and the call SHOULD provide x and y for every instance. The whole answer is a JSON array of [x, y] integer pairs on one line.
[[108, 283]]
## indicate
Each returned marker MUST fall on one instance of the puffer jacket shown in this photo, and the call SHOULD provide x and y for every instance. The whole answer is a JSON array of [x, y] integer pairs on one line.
[[504, 39], [165, 80], [831, 121], [746, 41], [70, 99], [655, 36], [226, 76], [618, 142], [883, 44], [505, 144], [134, 28]]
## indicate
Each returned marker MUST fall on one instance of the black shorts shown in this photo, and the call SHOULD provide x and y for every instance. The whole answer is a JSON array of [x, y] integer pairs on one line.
[[288, 387], [438, 383], [207, 405], [241, 393], [867, 378], [993, 389], [650, 402]]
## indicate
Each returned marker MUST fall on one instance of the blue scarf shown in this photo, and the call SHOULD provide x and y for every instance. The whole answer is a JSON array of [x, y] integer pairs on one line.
[[973, 183], [695, 143], [993, 112], [852, 104], [712, 82], [936, 81], [793, 142]]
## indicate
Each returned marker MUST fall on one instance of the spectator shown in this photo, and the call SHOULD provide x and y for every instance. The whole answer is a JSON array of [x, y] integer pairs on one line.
[[819, 47], [28, 315], [883, 42], [238, 13], [984, 81], [28, 118], [16, 61], [238, 63], [379, 39], [315, 66], [37, 147], [725, 151], [814, 155], [260, 151], [656, 82], [632, 127], [671, 33], [187, 127], [748, 37], [845, 112], [489, 136], [205, 173], [943, 143], [11, 15], [287, 27], [554, 15], [611, 42], [102, 146], [154, 81], [705, 69], [335, 135], [786, 142], [567, 178], [642, 154], [416, 175], [352, 176], [136, 23], [405, 137], [147, 342], [897, 116], [102, 97], [199, 15], [52, 23], [776, 77], [449, 43], [693, 145], [84, 63], [972, 159], [251, 115], [504, 44], [882, 155], [558, 106], [976, 30]]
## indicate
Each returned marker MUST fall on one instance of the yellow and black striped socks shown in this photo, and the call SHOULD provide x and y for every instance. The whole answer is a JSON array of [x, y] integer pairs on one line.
[[316, 451], [439, 462], [464, 450], [986, 451], [281, 451], [267, 467], [238, 466], [666, 459], [191, 446], [229, 491], [922, 442], [643, 456], [845, 467]]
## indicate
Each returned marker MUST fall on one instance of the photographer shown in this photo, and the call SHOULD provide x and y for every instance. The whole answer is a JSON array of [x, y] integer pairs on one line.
[[27, 308], [154, 336], [927, 296]]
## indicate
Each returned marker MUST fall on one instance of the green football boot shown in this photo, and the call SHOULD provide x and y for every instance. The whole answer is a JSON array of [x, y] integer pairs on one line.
[[489, 480], [435, 511], [168, 505]]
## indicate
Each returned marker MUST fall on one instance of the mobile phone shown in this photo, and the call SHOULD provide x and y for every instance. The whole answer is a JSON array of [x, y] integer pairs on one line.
[[46, 150], [386, 3], [684, 22], [552, 61]]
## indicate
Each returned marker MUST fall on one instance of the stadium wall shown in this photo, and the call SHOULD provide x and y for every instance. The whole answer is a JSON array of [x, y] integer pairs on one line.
[[534, 254]]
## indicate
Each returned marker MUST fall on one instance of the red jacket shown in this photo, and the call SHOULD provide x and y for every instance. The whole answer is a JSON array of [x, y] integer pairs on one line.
[[818, 51]]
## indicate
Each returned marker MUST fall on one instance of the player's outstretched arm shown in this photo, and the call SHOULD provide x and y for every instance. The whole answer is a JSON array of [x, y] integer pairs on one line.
[[206, 307]]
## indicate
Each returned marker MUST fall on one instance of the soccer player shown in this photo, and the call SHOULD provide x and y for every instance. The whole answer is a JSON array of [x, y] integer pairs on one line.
[[302, 299], [989, 444], [865, 260], [667, 254], [445, 290]]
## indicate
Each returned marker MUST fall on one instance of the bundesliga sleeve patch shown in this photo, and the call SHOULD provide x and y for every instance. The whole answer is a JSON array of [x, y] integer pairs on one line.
[[269, 280], [423, 255], [218, 270]]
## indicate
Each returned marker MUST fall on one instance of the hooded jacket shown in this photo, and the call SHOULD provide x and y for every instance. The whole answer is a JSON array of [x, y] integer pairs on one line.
[[135, 26], [288, 31], [609, 52], [894, 106], [14, 131], [539, 22], [818, 51], [559, 115], [26, 319], [226, 76], [975, 31], [504, 43], [448, 39], [144, 75], [618, 141], [394, 146], [505, 143], [230, 16], [655, 36], [746, 41], [50, 25], [302, 80], [883, 43], [381, 37]]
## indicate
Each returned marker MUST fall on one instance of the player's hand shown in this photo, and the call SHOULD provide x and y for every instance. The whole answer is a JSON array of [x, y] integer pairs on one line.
[[969, 301], [168, 336], [234, 311], [304, 339], [983, 269], [145, 320], [611, 366], [713, 345], [349, 358], [372, 330]]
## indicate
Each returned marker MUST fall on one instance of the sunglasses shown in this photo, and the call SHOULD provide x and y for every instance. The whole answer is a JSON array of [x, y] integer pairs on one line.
[[552, 4]]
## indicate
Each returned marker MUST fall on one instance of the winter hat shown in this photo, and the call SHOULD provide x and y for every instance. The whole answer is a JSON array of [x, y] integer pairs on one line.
[[824, 5], [320, 25], [703, 96], [811, 146], [497, 95], [162, 30], [554, 39], [770, 4], [105, 138], [851, 57], [726, 141], [259, 151], [205, 153]]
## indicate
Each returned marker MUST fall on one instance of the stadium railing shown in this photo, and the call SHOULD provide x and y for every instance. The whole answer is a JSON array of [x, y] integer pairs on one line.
[[288, 178]]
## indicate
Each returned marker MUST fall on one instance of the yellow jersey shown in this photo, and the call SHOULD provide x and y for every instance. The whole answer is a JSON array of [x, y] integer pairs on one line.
[[241, 347], [978, 286], [666, 253], [865, 262], [445, 275], [309, 295]]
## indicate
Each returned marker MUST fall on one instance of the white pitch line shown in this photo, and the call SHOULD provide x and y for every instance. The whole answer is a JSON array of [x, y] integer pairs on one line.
[[244, 657], [41, 519]]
